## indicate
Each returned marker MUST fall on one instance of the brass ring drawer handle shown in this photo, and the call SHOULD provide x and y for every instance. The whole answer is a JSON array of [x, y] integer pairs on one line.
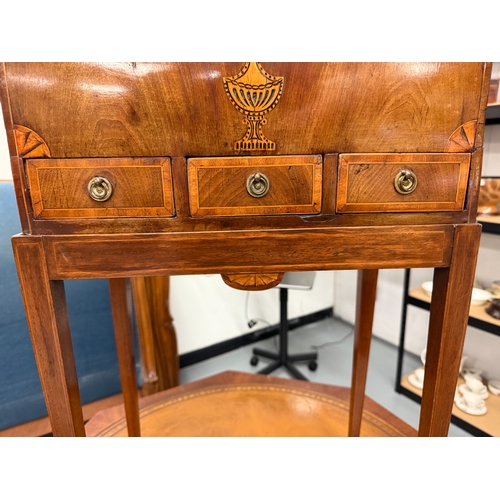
[[99, 188], [405, 182], [257, 185]]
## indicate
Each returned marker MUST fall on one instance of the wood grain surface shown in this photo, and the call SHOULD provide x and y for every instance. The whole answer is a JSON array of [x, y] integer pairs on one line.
[[141, 187], [218, 186], [366, 182], [146, 125], [238, 251], [146, 109]]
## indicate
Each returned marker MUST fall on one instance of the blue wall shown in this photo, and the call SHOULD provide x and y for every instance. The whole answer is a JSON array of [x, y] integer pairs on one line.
[[21, 398]]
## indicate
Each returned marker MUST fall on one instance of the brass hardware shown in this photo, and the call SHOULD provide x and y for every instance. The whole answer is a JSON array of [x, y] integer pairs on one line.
[[99, 188], [257, 185], [405, 182]]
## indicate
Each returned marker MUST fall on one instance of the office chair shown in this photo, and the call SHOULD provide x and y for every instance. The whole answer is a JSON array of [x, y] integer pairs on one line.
[[294, 281]]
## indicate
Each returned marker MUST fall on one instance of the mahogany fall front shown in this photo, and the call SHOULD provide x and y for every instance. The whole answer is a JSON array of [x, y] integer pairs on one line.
[[248, 170]]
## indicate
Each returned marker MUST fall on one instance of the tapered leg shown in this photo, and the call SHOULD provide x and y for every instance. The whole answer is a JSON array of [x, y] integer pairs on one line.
[[121, 306], [365, 307], [48, 323], [450, 304]]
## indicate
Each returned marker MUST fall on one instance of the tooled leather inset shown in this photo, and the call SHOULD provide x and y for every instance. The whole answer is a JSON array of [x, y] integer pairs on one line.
[[29, 143], [462, 138], [246, 281], [261, 390], [254, 92]]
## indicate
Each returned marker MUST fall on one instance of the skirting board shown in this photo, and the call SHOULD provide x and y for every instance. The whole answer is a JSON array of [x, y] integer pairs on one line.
[[190, 358]]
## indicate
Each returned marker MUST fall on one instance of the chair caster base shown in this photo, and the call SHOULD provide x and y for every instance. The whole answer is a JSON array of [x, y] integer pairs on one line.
[[312, 365]]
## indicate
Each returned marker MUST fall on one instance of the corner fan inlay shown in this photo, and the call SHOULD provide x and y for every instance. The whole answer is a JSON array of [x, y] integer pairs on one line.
[[462, 139], [29, 143], [254, 92]]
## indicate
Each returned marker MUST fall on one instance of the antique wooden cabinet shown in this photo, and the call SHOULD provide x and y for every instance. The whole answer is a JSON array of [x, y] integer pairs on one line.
[[248, 170]]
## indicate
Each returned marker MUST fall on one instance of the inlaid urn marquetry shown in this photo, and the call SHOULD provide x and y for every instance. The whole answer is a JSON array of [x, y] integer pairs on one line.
[[254, 92]]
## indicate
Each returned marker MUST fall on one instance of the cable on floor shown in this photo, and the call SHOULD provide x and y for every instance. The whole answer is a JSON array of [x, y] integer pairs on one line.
[[326, 344]]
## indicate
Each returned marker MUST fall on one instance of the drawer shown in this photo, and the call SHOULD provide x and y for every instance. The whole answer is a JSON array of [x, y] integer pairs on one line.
[[402, 182], [137, 187], [255, 185]]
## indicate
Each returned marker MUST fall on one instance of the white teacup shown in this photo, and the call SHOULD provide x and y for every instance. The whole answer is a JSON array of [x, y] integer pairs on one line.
[[472, 373], [474, 384], [419, 375], [473, 401]]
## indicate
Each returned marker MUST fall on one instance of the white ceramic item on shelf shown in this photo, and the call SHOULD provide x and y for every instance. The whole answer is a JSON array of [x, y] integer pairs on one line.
[[479, 296], [466, 390], [416, 378], [471, 403], [473, 373], [427, 286], [494, 387], [475, 385]]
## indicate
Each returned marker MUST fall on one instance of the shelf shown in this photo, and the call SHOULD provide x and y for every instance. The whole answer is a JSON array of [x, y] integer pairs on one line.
[[490, 223], [487, 424], [478, 317]]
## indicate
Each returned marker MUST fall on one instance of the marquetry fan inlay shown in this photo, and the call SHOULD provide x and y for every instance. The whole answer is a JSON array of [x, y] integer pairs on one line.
[[30, 144], [254, 92], [247, 281], [462, 139]]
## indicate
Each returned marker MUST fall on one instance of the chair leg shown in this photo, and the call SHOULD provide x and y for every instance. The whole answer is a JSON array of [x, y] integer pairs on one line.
[[293, 371], [270, 368], [121, 308], [265, 354], [365, 306], [307, 356]]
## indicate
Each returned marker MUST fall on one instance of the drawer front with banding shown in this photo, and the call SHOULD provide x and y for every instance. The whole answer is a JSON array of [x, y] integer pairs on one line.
[[255, 185], [402, 182], [101, 187]]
